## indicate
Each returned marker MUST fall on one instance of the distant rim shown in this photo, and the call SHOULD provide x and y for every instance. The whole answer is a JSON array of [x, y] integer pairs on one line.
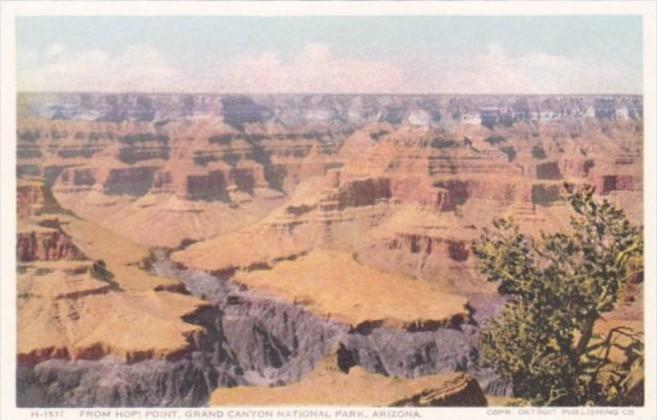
[[171, 93]]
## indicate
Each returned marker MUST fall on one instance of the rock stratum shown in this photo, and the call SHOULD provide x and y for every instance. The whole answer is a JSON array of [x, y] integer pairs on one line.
[[183, 250], [79, 288]]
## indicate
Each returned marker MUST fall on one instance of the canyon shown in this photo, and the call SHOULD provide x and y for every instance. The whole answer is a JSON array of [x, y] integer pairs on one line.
[[185, 250]]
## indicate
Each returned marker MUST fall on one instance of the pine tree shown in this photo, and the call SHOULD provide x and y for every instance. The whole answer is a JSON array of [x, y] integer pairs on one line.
[[557, 287]]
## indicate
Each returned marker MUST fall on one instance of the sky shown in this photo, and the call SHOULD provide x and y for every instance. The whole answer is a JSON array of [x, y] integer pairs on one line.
[[315, 54]]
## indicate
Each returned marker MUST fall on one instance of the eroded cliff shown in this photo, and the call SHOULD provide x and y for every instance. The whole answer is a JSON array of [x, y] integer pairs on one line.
[[291, 225]]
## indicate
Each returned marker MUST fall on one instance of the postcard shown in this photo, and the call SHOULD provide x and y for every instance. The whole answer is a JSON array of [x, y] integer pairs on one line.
[[328, 210]]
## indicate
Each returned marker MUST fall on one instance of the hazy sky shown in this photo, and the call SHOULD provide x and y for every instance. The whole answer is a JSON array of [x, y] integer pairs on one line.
[[427, 54]]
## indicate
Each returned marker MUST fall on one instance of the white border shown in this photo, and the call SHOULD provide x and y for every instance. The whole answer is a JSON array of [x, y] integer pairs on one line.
[[327, 8], [9, 10]]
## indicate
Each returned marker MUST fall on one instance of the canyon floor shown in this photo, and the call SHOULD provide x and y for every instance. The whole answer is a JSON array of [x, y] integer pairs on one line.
[[186, 250]]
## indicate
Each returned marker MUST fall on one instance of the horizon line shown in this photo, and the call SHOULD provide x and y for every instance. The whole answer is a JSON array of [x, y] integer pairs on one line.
[[81, 92]]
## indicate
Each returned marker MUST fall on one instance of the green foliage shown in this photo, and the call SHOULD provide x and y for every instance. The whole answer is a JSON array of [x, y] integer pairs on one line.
[[556, 288]]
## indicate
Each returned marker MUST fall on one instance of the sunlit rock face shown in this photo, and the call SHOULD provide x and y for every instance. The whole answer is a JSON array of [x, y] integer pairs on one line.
[[249, 235]]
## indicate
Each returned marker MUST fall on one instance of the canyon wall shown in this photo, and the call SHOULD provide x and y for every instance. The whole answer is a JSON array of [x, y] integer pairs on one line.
[[248, 238]]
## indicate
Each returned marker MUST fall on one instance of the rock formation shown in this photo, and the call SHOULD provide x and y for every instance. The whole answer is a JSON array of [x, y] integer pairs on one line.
[[334, 286], [78, 286], [244, 237]]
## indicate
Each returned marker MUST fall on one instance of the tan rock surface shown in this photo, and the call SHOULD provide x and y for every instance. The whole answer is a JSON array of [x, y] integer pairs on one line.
[[240, 250], [67, 311], [333, 285], [131, 326], [122, 256], [58, 279], [178, 218]]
